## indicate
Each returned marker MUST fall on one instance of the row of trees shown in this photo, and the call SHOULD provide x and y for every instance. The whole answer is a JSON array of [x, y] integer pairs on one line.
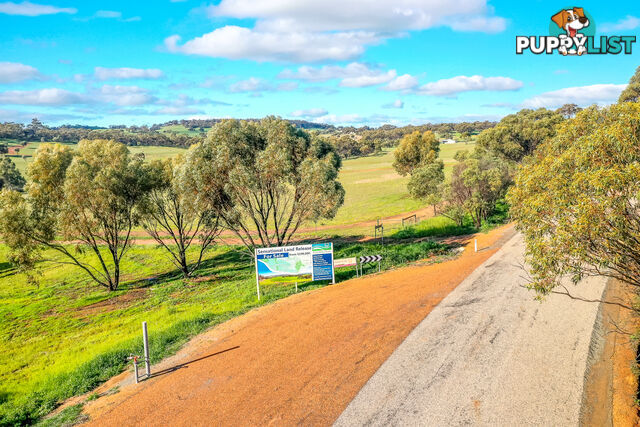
[[134, 135], [259, 180], [482, 177], [355, 142], [577, 197], [478, 181]]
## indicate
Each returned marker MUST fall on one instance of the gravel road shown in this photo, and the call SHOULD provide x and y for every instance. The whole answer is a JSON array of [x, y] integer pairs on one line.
[[488, 354]]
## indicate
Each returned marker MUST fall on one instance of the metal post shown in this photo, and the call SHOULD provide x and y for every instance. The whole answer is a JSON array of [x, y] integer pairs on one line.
[[382, 233], [145, 339], [135, 369], [333, 267], [475, 243], [255, 260], [296, 287]]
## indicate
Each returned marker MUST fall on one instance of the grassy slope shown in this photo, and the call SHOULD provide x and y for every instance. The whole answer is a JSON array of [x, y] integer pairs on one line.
[[374, 189], [179, 129], [150, 152], [82, 321], [53, 335]]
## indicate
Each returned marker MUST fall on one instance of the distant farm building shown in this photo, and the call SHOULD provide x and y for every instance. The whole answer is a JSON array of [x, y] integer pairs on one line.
[[449, 141]]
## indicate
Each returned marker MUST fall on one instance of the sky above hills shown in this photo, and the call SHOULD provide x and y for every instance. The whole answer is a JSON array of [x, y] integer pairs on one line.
[[343, 62]]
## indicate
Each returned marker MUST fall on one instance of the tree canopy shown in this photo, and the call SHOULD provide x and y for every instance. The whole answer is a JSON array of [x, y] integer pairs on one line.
[[10, 176], [89, 198], [415, 150], [576, 201], [632, 92], [171, 216], [478, 181], [264, 178], [518, 135], [426, 182]]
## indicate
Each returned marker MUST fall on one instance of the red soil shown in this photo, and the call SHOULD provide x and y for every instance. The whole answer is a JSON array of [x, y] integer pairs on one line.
[[300, 360]]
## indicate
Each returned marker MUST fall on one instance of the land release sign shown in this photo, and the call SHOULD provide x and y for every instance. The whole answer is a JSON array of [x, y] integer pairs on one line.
[[289, 264]]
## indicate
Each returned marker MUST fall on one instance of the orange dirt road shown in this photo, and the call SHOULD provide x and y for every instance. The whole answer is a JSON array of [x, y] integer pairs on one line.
[[300, 360]]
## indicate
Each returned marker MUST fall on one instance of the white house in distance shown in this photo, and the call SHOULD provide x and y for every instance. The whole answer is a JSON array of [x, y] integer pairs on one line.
[[449, 141]]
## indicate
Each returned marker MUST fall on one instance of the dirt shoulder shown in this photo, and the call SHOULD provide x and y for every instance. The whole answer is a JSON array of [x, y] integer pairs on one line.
[[299, 360], [610, 384]]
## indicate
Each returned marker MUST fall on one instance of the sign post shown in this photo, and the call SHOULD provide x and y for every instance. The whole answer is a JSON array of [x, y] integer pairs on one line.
[[255, 261], [295, 263]]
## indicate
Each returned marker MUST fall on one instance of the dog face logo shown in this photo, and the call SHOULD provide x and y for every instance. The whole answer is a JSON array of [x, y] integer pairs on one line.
[[571, 21]]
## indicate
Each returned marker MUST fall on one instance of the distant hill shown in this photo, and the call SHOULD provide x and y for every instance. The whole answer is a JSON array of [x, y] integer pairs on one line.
[[204, 124]]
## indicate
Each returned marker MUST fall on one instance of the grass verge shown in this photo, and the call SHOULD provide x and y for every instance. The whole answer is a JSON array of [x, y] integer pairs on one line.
[[66, 336]]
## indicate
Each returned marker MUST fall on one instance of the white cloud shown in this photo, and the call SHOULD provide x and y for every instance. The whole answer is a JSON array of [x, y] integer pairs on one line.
[[483, 24], [395, 104], [256, 85], [108, 14], [508, 105], [369, 80], [177, 111], [252, 84], [458, 84], [125, 95], [313, 112], [102, 73], [342, 119], [629, 22], [233, 42], [330, 30], [31, 9], [52, 96], [183, 100], [600, 94], [404, 82], [355, 74], [288, 86], [13, 72], [107, 94], [347, 15], [354, 119]]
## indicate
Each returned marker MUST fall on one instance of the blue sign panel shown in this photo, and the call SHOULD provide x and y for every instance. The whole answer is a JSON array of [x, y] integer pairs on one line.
[[322, 260]]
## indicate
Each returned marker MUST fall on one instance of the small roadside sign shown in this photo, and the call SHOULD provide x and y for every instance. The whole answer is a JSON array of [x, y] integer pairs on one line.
[[345, 262]]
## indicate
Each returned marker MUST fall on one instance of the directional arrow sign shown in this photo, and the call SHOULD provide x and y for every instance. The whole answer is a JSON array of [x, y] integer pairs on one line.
[[370, 258]]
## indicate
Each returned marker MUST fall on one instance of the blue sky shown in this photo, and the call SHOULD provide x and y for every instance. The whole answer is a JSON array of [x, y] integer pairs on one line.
[[344, 62]]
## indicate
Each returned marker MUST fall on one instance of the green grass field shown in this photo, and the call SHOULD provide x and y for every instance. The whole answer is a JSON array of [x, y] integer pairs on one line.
[[373, 188], [89, 331], [150, 152], [179, 129], [66, 335]]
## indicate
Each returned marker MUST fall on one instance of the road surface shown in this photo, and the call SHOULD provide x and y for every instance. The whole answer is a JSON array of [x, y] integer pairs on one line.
[[488, 354], [300, 360]]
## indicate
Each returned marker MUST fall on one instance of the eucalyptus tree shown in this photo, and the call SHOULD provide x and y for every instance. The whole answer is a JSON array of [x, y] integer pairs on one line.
[[171, 216], [79, 202], [517, 135], [577, 199], [264, 179], [414, 151]]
